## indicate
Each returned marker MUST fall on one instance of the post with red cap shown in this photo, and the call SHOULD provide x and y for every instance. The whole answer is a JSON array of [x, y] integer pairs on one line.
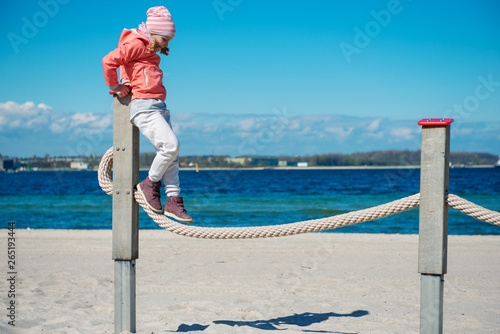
[[125, 217], [433, 225]]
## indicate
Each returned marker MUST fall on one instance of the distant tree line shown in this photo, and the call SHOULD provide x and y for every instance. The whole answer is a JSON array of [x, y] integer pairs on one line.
[[467, 158], [374, 158], [52, 162], [391, 158]]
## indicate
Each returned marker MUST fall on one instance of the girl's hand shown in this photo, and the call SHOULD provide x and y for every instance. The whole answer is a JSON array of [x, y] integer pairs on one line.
[[120, 90]]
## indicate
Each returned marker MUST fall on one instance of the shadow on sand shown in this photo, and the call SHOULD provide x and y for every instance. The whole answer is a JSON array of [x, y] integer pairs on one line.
[[301, 320]]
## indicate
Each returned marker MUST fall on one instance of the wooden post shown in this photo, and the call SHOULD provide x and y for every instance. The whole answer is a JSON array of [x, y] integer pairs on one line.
[[125, 213], [433, 228]]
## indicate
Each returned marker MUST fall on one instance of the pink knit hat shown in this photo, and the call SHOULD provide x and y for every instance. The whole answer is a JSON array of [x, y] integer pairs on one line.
[[160, 22]]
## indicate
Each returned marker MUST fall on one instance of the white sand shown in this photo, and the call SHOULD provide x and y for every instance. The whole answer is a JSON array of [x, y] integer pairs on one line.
[[315, 283]]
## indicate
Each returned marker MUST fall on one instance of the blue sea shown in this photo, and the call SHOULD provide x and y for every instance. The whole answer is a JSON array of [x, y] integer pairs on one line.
[[74, 200]]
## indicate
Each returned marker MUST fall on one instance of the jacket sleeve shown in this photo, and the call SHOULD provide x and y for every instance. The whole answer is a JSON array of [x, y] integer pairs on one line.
[[124, 76], [109, 65], [125, 53]]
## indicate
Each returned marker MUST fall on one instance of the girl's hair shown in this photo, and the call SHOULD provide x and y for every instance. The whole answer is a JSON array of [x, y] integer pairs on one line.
[[151, 47]]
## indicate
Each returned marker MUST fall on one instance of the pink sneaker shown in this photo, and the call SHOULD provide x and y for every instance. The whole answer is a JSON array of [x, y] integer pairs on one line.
[[150, 191], [175, 209]]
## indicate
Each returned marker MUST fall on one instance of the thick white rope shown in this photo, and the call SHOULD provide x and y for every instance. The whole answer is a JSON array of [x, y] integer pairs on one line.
[[315, 225], [473, 210]]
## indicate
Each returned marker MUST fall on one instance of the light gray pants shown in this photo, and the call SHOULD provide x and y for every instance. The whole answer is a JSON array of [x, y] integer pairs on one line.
[[155, 125]]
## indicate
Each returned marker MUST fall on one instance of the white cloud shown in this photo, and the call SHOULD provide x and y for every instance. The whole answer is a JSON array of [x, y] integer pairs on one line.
[[375, 125], [377, 135], [56, 128], [278, 132], [80, 119], [340, 133], [293, 125], [247, 124], [400, 134], [39, 118], [14, 124], [28, 128], [306, 134], [44, 106]]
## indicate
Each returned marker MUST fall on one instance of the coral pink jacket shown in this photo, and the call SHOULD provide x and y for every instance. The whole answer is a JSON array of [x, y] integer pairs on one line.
[[138, 65]]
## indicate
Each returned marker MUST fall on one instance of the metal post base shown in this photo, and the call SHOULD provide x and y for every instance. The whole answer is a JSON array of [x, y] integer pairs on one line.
[[124, 296], [431, 304]]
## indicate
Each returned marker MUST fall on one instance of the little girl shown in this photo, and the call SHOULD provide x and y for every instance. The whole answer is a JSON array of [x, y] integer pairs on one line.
[[137, 58]]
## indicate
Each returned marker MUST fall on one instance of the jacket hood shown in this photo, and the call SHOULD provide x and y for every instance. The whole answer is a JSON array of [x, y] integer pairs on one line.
[[131, 34]]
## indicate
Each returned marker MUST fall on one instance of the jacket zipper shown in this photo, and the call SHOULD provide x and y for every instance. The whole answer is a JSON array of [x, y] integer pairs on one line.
[[146, 77]]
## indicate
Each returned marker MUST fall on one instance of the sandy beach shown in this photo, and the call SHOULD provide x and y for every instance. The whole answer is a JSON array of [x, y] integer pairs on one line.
[[315, 283]]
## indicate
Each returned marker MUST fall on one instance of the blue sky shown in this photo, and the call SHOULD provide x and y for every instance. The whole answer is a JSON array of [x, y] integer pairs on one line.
[[258, 77]]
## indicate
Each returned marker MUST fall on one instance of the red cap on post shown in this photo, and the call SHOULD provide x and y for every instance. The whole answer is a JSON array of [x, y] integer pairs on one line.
[[436, 121]]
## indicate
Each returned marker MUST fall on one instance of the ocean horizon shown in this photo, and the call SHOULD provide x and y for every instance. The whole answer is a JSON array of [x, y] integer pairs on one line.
[[249, 197]]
